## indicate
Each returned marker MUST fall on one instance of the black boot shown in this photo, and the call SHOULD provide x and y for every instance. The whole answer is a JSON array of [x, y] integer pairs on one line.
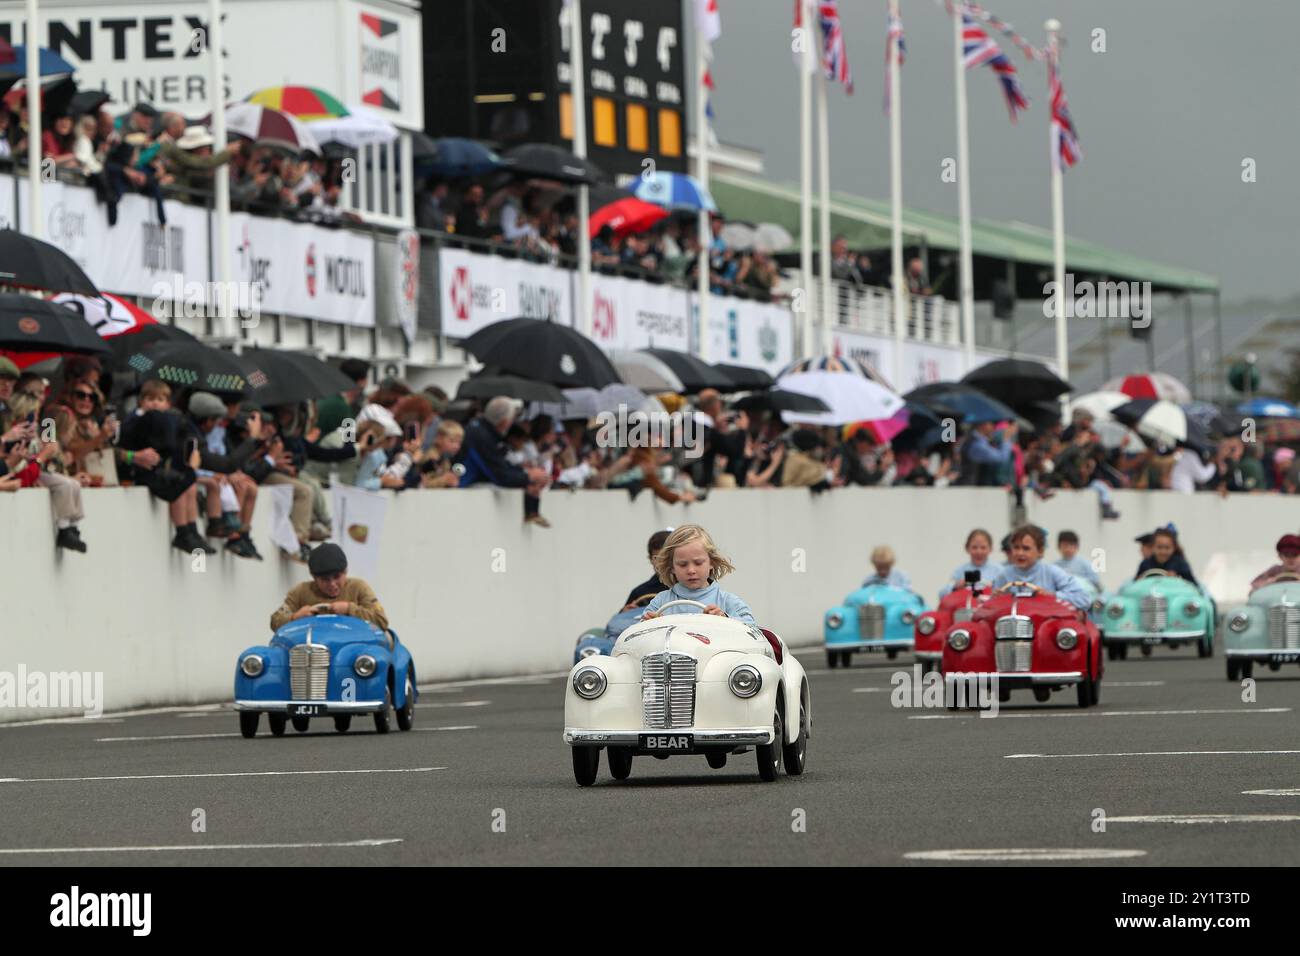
[[188, 539], [70, 538]]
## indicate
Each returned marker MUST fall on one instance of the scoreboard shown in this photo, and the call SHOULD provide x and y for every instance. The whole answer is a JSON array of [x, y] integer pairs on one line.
[[501, 70]]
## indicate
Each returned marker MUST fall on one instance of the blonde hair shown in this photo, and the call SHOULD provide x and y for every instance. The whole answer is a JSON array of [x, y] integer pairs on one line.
[[883, 554], [448, 428], [689, 534]]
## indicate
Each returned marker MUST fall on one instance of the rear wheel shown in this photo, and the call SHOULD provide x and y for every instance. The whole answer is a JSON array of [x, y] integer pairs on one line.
[[717, 759], [832, 659], [406, 716], [342, 722], [795, 754], [248, 722], [1234, 669], [383, 718], [769, 755], [620, 762], [586, 761], [276, 722], [301, 724]]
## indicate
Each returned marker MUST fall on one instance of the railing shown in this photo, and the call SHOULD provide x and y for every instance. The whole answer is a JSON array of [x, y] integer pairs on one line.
[[870, 309]]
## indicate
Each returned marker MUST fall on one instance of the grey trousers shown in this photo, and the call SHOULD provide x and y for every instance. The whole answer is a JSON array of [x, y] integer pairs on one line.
[[65, 497]]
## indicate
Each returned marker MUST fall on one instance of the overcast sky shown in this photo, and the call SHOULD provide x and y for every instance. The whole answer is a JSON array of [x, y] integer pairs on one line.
[[1184, 92]]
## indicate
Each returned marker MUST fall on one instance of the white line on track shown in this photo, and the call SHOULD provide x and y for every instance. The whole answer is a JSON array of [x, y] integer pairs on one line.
[[193, 776], [1023, 854], [116, 740], [1163, 753], [183, 848], [1271, 793], [457, 703], [1209, 818], [1106, 713]]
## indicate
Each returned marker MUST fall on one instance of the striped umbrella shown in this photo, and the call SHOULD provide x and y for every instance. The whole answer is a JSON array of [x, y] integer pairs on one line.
[[1150, 385], [835, 363], [305, 102], [675, 191], [271, 127]]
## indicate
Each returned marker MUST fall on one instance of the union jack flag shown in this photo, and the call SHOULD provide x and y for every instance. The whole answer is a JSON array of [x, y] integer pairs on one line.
[[893, 39], [1065, 139], [835, 58], [978, 49]]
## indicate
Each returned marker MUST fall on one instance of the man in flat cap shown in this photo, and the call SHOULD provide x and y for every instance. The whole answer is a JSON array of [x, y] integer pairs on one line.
[[330, 591], [1288, 556]]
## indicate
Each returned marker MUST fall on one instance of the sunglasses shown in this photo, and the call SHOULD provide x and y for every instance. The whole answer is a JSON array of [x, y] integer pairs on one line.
[[88, 396]]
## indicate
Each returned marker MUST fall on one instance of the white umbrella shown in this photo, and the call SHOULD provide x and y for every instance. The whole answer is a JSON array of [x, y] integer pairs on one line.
[[769, 237], [1150, 385], [850, 398], [737, 235], [1100, 404], [1113, 434], [271, 127], [646, 372], [361, 127], [1161, 421], [590, 402]]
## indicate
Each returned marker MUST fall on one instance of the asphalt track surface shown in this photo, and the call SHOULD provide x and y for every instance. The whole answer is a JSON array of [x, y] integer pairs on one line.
[[1185, 772]]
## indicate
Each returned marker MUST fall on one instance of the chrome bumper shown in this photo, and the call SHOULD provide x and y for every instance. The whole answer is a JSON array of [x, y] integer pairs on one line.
[[1160, 637], [1017, 678], [745, 736], [929, 655], [1263, 654], [904, 644], [331, 706]]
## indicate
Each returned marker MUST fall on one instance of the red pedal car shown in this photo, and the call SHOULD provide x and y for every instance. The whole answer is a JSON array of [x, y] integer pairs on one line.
[[955, 607], [1025, 638]]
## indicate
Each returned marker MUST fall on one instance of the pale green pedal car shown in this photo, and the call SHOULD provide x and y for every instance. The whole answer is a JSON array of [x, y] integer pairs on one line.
[[1158, 608], [1265, 629]]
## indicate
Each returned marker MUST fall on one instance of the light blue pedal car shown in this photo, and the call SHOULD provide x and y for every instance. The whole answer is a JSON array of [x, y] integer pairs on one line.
[[877, 617], [600, 640], [1265, 629]]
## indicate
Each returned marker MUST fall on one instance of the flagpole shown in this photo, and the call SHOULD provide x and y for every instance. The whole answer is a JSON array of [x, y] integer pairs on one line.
[[900, 296], [579, 95], [1058, 214], [221, 179], [805, 172], [37, 226], [824, 297], [966, 281], [702, 174]]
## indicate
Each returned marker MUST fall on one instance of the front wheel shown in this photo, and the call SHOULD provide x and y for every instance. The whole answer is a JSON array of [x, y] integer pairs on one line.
[[383, 721], [891, 653], [1096, 691], [620, 762], [1146, 650], [586, 761], [248, 722], [301, 724], [846, 658], [1204, 648], [769, 755], [342, 722], [406, 716], [795, 754], [1112, 652], [832, 659], [1123, 652], [1234, 669], [276, 723], [1042, 694], [1085, 692]]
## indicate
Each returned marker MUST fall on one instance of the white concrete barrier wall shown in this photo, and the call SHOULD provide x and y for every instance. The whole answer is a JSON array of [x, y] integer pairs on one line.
[[162, 632]]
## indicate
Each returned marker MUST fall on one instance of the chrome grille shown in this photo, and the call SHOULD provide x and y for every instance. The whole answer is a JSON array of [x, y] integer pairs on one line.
[[668, 691], [309, 671], [1284, 627], [963, 614], [871, 621], [1015, 627], [1155, 612], [1013, 656]]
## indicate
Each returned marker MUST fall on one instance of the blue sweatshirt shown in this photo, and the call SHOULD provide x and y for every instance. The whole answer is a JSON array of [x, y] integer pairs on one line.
[[1081, 568], [1051, 579], [896, 579], [988, 571], [709, 594]]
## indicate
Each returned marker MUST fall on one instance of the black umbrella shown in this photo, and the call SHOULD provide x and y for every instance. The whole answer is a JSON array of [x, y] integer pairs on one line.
[[973, 405], [748, 378], [543, 351], [283, 378], [1017, 381], [128, 344], [32, 264], [87, 101], [451, 157], [924, 427], [190, 365], [695, 374], [779, 400], [551, 162], [28, 324], [511, 386]]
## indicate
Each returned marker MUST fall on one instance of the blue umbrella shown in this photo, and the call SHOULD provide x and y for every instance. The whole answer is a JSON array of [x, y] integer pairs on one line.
[[451, 157], [1268, 408], [675, 191], [972, 404], [48, 64]]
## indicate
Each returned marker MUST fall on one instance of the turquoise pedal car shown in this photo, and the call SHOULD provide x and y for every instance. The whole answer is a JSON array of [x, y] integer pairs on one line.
[[877, 617], [1159, 608], [1265, 629]]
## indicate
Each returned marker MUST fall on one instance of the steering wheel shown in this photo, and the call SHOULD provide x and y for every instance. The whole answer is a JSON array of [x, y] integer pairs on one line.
[[643, 600], [1018, 584], [1285, 576], [1156, 573], [664, 607]]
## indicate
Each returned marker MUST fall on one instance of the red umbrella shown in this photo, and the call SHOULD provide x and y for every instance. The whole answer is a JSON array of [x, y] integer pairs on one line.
[[625, 216], [108, 315]]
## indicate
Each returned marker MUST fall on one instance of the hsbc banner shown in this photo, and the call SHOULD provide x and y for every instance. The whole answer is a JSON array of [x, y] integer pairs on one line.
[[627, 314], [303, 270], [476, 290], [755, 334]]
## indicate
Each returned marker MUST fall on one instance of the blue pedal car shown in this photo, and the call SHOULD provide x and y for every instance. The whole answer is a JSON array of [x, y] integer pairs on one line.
[[329, 665], [600, 640], [872, 618]]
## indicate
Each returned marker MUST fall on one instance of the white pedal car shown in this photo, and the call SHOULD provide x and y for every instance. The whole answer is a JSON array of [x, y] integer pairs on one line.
[[689, 684]]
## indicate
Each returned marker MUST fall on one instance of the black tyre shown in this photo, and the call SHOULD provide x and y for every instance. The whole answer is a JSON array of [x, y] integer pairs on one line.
[[586, 761], [1234, 669], [891, 652], [406, 716], [1084, 688], [301, 724], [832, 659], [620, 762], [248, 722], [1146, 650], [1247, 669], [1123, 652], [1042, 694], [342, 722], [1205, 648], [795, 755], [1275, 665], [383, 718], [1112, 652], [277, 723], [769, 755], [717, 759], [1004, 695], [846, 658], [1096, 691]]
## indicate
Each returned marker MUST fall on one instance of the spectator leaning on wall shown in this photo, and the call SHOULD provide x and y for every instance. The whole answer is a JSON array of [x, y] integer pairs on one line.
[[484, 456]]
